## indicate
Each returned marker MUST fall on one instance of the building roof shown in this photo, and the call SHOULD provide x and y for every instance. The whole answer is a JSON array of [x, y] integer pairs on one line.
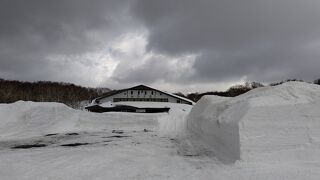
[[143, 87]]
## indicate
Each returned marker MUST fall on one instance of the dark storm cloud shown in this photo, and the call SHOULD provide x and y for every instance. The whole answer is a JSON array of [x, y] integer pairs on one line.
[[32, 30], [50, 22], [265, 40]]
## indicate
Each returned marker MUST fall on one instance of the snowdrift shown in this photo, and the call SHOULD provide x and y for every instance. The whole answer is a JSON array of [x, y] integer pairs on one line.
[[270, 123], [30, 119], [26, 119]]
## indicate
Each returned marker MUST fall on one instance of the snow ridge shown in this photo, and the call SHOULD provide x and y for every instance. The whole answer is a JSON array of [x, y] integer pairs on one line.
[[258, 123]]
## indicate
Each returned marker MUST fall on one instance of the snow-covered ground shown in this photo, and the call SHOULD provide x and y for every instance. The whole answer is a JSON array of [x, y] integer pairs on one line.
[[268, 133]]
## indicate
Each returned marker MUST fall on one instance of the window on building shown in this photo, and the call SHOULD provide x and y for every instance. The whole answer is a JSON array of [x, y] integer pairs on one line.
[[131, 92]]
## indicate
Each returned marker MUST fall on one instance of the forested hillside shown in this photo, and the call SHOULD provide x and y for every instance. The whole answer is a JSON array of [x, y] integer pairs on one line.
[[45, 91]]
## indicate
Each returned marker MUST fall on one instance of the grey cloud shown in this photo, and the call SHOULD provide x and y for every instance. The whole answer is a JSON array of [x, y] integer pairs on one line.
[[260, 39], [155, 68], [263, 40], [32, 30]]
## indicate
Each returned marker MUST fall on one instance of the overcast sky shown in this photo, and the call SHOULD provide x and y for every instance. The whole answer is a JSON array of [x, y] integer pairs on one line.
[[174, 45]]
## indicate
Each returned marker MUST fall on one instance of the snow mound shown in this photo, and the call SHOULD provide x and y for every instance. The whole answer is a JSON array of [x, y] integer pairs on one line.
[[29, 119], [271, 123], [23, 119], [173, 124]]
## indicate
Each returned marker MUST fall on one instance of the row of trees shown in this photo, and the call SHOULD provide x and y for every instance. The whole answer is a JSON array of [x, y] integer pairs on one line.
[[231, 92], [73, 95], [45, 91]]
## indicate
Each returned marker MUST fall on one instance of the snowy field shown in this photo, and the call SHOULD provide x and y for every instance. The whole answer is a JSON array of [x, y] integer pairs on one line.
[[268, 133]]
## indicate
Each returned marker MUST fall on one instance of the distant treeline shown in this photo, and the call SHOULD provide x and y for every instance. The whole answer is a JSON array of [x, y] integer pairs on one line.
[[46, 91], [73, 95], [236, 90]]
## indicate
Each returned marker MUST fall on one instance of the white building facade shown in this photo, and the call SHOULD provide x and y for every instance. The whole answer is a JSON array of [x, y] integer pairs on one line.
[[142, 93]]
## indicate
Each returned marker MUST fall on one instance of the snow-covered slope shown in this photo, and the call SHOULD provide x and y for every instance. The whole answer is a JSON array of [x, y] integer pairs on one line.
[[71, 144], [274, 131], [25, 119], [170, 124], [270, 123], [28, 119]]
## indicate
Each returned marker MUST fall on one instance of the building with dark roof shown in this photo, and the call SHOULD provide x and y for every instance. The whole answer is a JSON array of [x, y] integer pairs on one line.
[[124, 101], [142, 93]]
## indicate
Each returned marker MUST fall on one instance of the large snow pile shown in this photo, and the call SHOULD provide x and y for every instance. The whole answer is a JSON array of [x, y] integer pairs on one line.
[[275, 131], [52, 141], [270, 123], [171, 124], [29, 119]]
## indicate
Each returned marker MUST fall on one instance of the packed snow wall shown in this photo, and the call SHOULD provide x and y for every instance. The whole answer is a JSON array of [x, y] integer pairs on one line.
[[281, 122], [209, 133]]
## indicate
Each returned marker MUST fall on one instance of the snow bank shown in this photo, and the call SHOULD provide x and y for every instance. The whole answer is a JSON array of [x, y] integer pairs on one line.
[[29, 119], [173, 124], [275, 123], [25, 119]]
